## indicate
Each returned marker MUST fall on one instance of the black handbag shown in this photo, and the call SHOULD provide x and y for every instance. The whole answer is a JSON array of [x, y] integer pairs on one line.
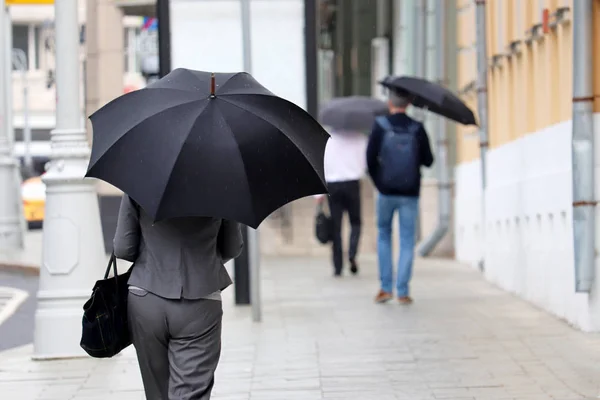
[[323, 226], [105, 330]]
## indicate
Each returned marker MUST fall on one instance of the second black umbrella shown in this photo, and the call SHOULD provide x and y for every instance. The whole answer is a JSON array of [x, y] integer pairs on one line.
[[352, 113]]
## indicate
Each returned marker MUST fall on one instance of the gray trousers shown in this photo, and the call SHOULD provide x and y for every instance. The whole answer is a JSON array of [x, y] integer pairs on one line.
[[178, 344]]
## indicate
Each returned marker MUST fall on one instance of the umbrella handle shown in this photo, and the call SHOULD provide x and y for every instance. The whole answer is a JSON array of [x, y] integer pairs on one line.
[[212, 86]]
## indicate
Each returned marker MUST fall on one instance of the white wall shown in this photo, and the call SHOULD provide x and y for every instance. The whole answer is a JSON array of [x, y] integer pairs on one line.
[[528, 236], [207, 35]]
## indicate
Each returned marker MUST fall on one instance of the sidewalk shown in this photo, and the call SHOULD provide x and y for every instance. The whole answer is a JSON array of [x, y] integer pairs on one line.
[[10, 300], [324, 338], [26, 260]]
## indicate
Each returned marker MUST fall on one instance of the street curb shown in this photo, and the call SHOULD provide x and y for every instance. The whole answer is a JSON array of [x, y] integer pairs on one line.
[[18, 298], [26, 269]]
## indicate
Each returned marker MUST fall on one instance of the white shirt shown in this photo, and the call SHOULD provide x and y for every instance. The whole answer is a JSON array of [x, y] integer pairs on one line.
[[345, 156]]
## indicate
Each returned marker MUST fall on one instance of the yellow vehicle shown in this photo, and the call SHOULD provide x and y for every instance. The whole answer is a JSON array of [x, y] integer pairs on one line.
[[33, 192]]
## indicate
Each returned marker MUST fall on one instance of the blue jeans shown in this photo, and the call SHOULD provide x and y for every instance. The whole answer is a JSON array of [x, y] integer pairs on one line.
[[407, 208]]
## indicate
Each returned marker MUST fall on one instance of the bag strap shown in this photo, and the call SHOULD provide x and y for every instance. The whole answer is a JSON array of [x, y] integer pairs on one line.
[[384, 122], [112, 262]]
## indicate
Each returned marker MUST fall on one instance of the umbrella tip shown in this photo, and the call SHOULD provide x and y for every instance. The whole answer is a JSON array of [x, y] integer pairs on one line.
[[212, 85]]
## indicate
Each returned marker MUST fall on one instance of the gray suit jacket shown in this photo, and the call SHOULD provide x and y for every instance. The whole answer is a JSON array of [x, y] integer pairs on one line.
[[176, 258]]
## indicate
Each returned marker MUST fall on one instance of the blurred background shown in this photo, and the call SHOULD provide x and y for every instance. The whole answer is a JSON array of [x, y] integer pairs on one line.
[[520, 233]]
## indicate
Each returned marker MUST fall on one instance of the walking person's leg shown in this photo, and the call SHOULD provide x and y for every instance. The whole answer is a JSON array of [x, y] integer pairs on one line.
[[194, 348], [146, 316], [385, 214], [408, 212], [336, 209], [353, 205]]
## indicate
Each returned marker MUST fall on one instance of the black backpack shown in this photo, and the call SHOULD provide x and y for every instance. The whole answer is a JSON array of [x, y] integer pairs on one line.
[[399, 157]]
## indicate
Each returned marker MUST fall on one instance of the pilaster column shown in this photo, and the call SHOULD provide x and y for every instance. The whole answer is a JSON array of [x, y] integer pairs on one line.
[[73, 257]]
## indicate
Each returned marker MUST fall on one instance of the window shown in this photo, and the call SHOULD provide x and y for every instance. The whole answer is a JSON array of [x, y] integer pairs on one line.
[[20, 37], [131, 45], [27, 39]]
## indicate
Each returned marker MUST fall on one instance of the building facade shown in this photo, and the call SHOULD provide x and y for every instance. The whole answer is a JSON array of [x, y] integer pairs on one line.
[[526, 241], [33, 64]]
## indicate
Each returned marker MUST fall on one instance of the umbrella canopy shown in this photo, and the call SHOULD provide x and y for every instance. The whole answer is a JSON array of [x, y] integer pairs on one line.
[[353, 113], [432, 96], [200, 144]]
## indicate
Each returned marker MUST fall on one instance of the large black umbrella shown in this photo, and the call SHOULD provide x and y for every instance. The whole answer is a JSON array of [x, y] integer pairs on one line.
[[353, 113], [202, 144], [434, 97]]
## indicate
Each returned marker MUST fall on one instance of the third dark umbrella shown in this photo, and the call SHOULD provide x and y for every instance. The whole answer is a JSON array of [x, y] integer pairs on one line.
[[201, 144], [434, 97]]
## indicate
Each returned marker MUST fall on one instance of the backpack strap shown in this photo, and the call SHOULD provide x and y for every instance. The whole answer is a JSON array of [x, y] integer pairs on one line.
[[384, 122]]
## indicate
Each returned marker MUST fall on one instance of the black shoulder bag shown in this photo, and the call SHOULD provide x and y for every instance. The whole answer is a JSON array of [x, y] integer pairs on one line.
[[323, 226], [105, 330]]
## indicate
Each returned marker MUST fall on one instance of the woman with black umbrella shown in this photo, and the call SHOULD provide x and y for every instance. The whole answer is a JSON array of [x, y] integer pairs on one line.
[[174, 304], [194, 152]]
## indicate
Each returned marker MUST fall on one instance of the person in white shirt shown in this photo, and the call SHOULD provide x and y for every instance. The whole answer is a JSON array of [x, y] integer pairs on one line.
[[345, 165]]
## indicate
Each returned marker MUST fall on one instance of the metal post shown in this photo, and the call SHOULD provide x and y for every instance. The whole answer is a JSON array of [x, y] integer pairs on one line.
[[253, 237], [584, 200], [8, 78], [422, 27], [254, 261], [420, 55], [11, 132], [408, 40], [163, 14], [20, 61], [242, 273], [73, 256], [482, 109], [444, 194], [26, 126], [244, 283], [11, 218], [246, 35], [310, 57]]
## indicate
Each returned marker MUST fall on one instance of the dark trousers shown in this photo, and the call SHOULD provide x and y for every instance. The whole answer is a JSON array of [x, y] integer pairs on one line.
[[344, 196], [178, 344]]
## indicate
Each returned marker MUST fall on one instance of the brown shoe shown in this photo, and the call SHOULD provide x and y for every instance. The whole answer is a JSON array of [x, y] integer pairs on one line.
[[405, 300], [382, 297]]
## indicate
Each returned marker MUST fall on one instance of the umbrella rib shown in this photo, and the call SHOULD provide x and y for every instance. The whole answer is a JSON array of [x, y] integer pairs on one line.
[[162, 196], [241, 158], [266, 120]]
